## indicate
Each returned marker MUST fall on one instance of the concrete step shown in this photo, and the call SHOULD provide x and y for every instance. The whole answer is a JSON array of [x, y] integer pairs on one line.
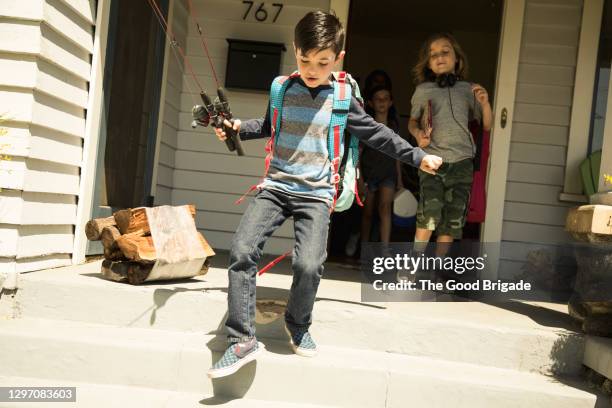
[[118, 396], [527, 337], [338, 376], [598, 355]]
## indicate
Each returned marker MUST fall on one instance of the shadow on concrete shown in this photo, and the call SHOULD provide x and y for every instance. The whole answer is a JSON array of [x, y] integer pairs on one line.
[[583, 383], [567, 346], [541, 315], [567, 350]]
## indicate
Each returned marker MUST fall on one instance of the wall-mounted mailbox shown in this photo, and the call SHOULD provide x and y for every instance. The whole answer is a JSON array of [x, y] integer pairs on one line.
[[252, 64]]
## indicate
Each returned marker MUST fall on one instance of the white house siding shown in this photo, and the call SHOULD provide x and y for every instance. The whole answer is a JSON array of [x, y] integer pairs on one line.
[[533, 212], [45, 50], [204, 172]]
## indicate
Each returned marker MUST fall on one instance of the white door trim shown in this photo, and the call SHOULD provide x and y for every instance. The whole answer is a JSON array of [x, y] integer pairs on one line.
[[586, 68], [341, 8], [505, 92], [162, 101], [92, 131]]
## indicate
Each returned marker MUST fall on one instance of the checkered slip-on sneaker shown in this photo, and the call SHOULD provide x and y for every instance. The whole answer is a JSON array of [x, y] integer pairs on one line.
[[236, 356], [302, 342]]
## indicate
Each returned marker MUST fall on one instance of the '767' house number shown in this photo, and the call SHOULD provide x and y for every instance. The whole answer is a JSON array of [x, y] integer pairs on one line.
[[260, 13]]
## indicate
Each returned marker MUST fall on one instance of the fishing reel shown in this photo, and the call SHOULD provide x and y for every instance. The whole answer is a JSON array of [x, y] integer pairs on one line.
[[215, 113]]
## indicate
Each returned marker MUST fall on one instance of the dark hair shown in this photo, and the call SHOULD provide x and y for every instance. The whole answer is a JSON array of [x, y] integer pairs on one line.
[[392, 120], [421, 70], [319, 30], [369, 81]]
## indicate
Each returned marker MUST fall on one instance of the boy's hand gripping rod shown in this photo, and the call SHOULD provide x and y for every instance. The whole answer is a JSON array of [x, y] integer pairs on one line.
[[215, 113]]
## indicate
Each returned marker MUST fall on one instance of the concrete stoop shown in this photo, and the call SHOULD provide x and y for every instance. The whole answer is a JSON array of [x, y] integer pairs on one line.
[[155, 342], [177, 361]]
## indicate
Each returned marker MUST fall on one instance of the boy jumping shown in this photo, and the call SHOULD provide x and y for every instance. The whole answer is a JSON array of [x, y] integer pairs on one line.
[[299, 184]]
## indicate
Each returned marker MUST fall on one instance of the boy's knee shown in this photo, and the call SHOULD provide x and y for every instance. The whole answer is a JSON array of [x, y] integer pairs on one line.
[[308, 266], [243, 252]]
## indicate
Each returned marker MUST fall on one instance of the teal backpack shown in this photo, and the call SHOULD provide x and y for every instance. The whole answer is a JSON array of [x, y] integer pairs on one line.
[[343, 150]]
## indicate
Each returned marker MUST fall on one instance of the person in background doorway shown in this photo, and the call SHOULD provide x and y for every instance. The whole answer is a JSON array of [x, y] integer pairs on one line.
[[381, 174], [376, 78]]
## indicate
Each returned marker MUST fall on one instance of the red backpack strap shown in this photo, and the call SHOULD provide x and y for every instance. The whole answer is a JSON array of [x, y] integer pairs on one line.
[[271, 264], [337, 126]]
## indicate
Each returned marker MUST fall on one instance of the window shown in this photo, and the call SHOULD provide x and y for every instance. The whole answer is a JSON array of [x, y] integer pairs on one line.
[[602, 81]]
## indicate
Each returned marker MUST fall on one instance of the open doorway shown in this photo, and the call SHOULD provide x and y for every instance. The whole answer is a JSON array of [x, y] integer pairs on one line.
[[133, 84], [128, 128], [387, 35]]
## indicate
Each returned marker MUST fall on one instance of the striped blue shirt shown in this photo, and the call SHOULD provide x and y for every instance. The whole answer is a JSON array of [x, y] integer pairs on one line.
[[301, 164]]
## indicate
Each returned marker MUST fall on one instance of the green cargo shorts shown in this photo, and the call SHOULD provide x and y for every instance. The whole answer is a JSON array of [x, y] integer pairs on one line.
[[444, 199]]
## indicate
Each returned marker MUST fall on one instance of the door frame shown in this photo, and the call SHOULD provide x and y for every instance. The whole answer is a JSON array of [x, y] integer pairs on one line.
[[341, 8], [159, 126], [505, 93], [93, 123]]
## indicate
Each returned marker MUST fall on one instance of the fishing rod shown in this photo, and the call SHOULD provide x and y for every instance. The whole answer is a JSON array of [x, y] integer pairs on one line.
[[214, 112]]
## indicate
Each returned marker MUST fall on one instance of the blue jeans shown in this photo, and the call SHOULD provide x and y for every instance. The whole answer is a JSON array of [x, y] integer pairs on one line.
[[265, 214]]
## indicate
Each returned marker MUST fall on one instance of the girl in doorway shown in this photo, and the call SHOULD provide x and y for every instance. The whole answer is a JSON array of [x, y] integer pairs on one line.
[[442, 105], [379, 79], [380, 172]]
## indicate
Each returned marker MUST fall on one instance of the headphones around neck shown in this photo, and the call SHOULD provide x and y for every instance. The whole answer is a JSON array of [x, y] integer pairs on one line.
[[446, 80]]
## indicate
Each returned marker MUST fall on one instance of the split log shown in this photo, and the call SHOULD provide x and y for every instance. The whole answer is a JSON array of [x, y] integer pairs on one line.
[[134, 220], [94, 227], [137, 248], [111, 255], [109, 238], [131, 272], [142, 249]]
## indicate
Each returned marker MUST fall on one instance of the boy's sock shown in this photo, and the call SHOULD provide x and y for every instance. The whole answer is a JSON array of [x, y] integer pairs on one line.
[[235, 357]]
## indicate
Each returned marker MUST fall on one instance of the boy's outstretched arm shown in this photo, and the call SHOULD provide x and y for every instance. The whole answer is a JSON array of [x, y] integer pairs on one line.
[[249, 129], [380, 137]]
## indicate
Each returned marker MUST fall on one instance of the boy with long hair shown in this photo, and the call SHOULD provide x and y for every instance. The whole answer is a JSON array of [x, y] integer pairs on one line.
[[443, 104]]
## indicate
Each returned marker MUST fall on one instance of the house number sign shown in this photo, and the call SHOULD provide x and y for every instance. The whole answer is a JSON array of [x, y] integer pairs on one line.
[[261, 13]]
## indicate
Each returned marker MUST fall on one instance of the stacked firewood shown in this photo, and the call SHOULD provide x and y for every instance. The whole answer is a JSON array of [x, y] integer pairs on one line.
[[129, 250]]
